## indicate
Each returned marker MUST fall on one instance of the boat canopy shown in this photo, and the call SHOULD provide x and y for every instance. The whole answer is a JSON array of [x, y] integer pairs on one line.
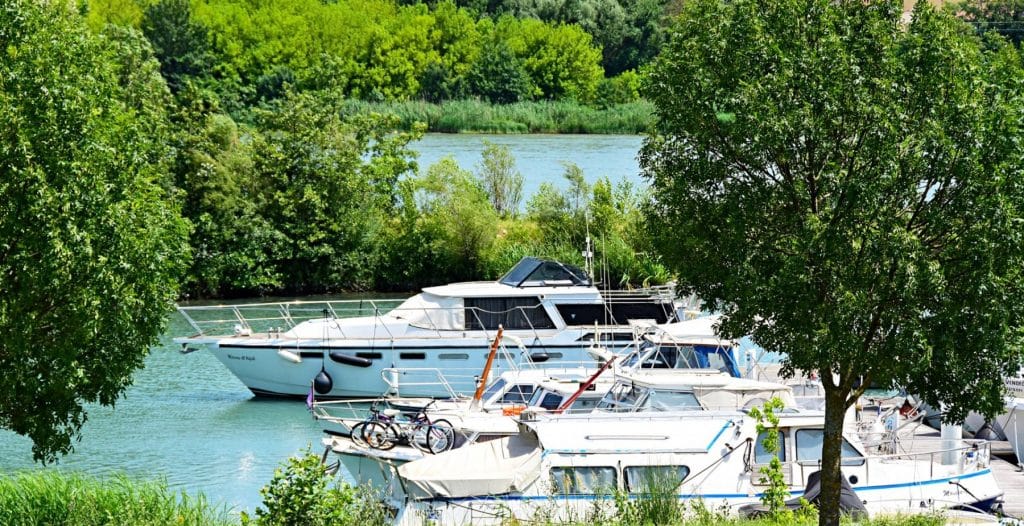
[[431, 311], [494, 467], [534, 272]]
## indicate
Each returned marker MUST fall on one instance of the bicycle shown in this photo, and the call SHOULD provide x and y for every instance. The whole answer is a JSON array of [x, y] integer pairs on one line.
[[384, 430]]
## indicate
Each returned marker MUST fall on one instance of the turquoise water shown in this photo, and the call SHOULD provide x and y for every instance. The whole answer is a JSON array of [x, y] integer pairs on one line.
[[187, 420], [539, 157]]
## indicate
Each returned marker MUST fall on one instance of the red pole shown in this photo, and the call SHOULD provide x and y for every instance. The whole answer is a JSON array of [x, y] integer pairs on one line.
[[590, 381], [487, 368]]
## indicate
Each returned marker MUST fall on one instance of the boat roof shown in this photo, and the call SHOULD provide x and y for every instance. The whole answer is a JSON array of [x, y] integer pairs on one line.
[[530, 273], [694, 378], [698, 331]]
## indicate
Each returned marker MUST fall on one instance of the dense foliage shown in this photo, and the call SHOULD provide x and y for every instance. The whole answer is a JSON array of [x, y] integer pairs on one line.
[[1004, 17], [92, 246], [249, 53], [846, 188]]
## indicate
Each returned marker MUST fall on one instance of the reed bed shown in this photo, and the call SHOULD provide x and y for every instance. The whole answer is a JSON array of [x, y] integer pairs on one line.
[[466, 116], [57, 499]]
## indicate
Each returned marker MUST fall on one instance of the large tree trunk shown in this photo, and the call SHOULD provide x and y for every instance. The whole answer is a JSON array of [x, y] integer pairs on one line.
[[835, 413]]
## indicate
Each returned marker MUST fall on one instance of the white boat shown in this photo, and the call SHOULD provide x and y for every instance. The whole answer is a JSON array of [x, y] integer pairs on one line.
[[563, 468], [352, 349], [633, 391], [1011, 422]]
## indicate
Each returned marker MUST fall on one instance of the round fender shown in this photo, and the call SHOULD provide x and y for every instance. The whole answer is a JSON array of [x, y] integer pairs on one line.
[[323, 384], [349, 359], [539, 357]]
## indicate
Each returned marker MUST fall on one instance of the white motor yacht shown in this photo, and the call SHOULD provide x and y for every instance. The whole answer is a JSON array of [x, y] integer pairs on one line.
[[352, 349], [343, 348]]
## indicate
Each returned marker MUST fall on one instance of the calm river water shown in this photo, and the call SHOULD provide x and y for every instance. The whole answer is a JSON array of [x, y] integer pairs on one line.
[[189, 421]]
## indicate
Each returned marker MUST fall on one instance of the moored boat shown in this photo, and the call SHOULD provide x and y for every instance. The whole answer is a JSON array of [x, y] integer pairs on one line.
[[347, 349]]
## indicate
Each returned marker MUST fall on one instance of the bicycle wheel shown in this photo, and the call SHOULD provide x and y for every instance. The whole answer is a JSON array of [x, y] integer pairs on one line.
[[357, 434], [379, 435], [440, 436]]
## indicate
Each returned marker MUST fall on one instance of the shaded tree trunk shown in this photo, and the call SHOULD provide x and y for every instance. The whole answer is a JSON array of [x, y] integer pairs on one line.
[[831, 448]]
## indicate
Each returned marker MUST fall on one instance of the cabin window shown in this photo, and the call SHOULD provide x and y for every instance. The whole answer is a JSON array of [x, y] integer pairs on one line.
[[369, 355], [453, 356], [763, 457], [413, 356], [551, 401], [808, 448], [584, 480], [518, 394], [583, 405], [671, 400], [622, 396], [494, 389], [511, 313], [648, 479]]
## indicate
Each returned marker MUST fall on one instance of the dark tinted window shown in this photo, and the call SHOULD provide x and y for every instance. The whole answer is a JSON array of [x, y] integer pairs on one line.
[[512, 313]]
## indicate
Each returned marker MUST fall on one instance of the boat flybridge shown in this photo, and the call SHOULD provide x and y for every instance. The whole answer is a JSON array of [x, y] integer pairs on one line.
[[562, 467], [350, 349]]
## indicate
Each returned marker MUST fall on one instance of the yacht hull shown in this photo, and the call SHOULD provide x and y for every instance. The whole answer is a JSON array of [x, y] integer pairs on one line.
[[414, 368]]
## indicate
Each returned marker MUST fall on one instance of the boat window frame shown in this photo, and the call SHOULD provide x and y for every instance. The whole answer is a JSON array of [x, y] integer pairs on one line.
[[857, 459], [626, 470], [557, 483]]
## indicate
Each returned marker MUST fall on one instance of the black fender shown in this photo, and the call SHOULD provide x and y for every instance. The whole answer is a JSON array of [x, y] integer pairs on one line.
[[349, 359]]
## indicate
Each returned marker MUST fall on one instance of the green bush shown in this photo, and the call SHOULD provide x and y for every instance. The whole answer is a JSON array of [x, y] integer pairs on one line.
[[58, 499], [301, 493]]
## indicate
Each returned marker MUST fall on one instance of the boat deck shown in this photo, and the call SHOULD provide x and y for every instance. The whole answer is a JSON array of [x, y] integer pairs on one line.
[[1004, 466]]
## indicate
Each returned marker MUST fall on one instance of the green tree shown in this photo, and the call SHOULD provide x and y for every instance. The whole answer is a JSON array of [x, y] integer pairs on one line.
[[327, 183], [1005, 17], [179, 43], [457, 211], [498, 75], [91, 248], [502, 182], [845, 188]]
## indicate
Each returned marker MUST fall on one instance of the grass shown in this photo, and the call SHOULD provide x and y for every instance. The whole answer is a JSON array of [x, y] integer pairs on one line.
[[522, 117], [57, 499]]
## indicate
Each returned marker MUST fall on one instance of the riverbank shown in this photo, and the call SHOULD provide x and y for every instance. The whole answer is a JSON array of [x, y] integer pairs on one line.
[[474, 116], [75, 500]]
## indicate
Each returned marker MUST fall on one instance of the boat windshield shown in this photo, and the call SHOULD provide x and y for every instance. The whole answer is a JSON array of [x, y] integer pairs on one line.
[[533, 272], [659, 400], [623, 396], [676, 356]]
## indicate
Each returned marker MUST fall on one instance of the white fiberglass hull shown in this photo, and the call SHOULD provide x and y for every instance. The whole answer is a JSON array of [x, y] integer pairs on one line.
[[1012, 423], [405, 367], [902, 496]]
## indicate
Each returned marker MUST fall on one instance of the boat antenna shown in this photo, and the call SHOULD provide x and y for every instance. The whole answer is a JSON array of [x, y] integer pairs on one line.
[[588, 253]]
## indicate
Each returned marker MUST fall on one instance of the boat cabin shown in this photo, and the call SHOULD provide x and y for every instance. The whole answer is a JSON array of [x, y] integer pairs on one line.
[[643, 390]]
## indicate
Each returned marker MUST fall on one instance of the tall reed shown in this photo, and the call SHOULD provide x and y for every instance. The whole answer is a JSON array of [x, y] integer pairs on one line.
[[56, 499], [521, 117]]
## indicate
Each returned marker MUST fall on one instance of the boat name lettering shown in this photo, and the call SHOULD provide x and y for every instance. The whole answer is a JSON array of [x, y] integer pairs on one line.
[[245, 357]]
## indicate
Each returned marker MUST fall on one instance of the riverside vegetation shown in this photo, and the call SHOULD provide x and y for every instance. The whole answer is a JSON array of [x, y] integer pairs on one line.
[[301, 492]]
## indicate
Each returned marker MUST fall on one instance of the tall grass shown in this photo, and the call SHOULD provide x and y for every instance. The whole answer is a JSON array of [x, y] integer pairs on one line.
[[55, 499], [522, 117]]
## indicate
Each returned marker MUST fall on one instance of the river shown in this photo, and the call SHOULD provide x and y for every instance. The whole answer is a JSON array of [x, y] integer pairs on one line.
[[541, 158], [190, 422]]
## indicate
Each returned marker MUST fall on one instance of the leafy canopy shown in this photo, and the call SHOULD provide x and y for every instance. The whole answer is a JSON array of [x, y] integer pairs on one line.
[[846, 188], [90, 247]]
